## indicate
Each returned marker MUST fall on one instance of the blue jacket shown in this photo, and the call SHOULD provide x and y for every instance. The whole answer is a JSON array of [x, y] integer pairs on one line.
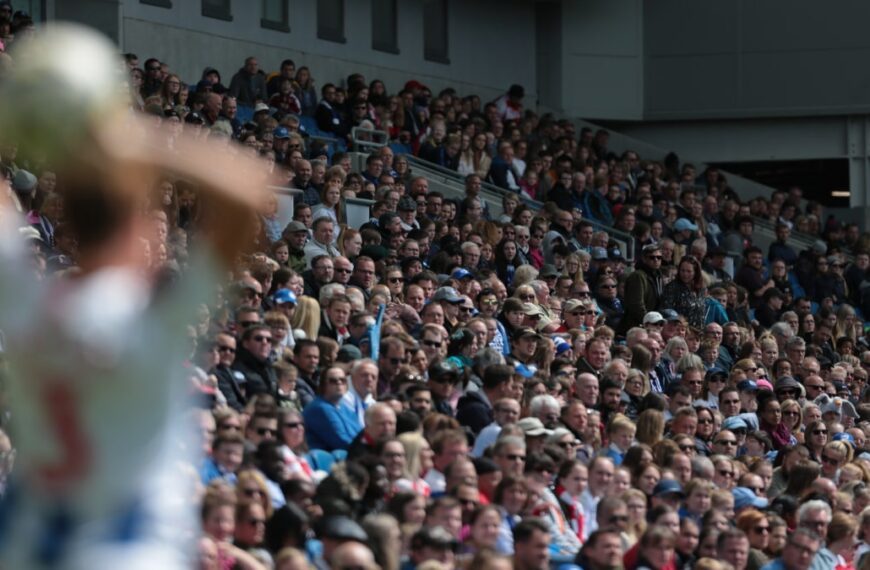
[[715, 312], [329, 426]]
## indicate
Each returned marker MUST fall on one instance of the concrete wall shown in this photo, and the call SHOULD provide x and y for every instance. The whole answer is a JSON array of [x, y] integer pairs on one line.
[[743, 58], [602, 59], [491, 43], [794, 138]]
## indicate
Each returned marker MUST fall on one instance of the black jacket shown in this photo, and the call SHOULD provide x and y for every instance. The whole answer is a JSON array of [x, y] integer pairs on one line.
[[474, 411], [230, 388], [260, 376]]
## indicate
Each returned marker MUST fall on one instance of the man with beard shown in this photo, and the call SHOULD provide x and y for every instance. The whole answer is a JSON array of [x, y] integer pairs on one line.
[[643, 288], [296, 236]]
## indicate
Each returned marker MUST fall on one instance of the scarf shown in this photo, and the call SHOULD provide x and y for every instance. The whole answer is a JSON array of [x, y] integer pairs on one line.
[[779, 434]]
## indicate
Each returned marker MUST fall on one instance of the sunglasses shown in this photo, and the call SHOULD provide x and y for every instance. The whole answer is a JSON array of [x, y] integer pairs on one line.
[[337, 380], [726, 441], [527, 297], [432, 343], [830, 460], [293, 425], [265, 431], [262, 338], [514, 457], [761, 529], [820, 432], [222, 348]]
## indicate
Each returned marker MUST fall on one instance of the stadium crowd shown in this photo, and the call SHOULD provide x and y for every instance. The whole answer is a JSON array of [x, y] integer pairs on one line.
[[448, 388]]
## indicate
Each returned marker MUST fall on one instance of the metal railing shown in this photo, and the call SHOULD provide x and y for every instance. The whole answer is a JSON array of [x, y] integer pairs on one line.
[[493, 195], [366, 140]]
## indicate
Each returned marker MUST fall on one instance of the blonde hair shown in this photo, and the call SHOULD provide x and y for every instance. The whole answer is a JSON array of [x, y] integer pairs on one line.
[[294, 557], [524, 275], [275, 319], [307, 317], [413, 442], [619, 422], [251, 475]]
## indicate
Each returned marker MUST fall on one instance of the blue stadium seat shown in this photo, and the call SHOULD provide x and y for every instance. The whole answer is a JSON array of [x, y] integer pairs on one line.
[[244, 114], [400, 148], [308, 125]]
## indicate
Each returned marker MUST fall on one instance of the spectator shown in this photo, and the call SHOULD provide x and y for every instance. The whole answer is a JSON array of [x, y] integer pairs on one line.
[[248, 85]]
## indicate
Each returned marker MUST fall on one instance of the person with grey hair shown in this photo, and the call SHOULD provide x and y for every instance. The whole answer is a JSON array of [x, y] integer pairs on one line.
[[379, 426], [329, 291], [470, 255], [542, 297], [546, 408], [485, 358], [702, 468], [815, 515], [795, 350], [781, 333], [509, 453], [360, 395], [615, 370]]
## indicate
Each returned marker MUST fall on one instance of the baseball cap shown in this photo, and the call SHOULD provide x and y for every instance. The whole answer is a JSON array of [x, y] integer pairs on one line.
[[532, 309], [716, 371], [294, 227], [653, 318], [281, 133], [548, 270], [683, 224], [733, 423], [561, 345], [667, 487], [448, 294], [670, 315], [747, 386], [283, 296], [407, 204], [533, 427], [571, 305], [23, 182], [599, 253], [525, 332], [461, 273], [745, 497], [260, 107], [787, 383], [348, 353]]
